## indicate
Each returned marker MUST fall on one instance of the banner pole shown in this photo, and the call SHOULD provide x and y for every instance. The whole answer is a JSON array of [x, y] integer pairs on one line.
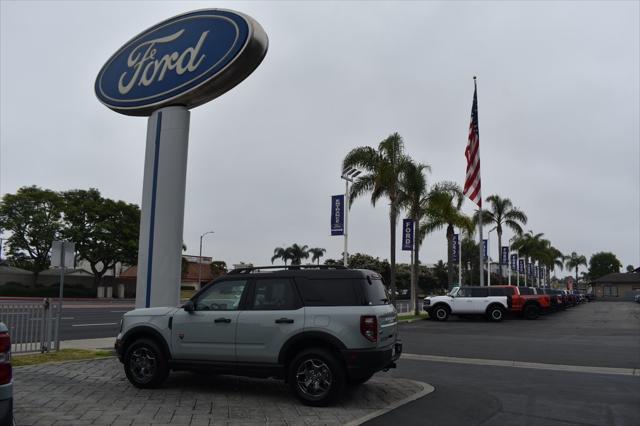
[[460, 257], [346, 222], [481, 262]]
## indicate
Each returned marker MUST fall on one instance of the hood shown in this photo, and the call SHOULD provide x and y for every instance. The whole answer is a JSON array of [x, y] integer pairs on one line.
[[153, 312]]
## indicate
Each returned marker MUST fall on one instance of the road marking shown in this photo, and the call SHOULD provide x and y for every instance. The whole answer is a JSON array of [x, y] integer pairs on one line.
[[91, 325], [521, 364]]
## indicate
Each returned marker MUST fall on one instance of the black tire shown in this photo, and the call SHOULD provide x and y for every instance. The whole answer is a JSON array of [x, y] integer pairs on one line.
[[495, 313], [145, 364], [441, 312], [321, 369], [531, 312], [359, 381]]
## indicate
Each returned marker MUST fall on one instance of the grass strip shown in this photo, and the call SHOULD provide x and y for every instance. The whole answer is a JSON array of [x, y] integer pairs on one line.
[[413, 317], [61, 355]]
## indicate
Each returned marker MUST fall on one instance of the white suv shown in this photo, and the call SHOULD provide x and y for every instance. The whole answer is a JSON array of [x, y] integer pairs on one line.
[[318, 328], [488, 301]]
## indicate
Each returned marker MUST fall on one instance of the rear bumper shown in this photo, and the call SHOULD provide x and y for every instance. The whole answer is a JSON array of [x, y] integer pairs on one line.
[[363, 362]]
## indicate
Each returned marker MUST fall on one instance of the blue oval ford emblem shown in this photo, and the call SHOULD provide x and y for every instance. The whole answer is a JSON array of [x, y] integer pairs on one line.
[[186, 60]]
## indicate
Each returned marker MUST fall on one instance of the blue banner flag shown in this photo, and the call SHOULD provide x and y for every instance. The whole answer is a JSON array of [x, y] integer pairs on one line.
[[407, 234], [485, 243], [504, 258], [521, 266], [530, 269], [514, 262], [337, 215], [456, 251]]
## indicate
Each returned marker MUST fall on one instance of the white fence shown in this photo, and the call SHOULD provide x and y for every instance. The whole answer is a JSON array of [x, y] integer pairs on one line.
[[32, 326]]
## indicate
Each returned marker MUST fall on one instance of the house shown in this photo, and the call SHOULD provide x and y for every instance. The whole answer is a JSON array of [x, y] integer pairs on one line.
[[617, 286], [190, 278]]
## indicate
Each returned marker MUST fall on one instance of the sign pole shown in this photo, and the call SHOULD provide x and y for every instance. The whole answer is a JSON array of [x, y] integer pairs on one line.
[[460, 258], [346, 222], [162, 213]]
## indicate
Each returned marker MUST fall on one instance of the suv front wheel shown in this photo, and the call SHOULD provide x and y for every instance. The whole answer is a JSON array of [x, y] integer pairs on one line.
[[145, 364], [316, 377]]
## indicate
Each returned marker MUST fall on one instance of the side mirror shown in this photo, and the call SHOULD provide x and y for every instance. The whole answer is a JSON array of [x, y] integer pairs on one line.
[[189, 306]]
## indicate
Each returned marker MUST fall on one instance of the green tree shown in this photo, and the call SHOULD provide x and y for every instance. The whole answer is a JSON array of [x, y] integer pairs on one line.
[[573, 261], [281, 253], [502, 213], [33, 217], [316, 254], [104, 231], [298, 253], [445, 202], [530, 246], [603, 263], [218, 267], [382, 171], [414, 198], [550, 257], [441, 274]]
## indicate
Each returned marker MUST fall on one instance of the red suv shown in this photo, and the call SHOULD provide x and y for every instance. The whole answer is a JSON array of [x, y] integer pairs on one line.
[[525, 302], [6, 382]]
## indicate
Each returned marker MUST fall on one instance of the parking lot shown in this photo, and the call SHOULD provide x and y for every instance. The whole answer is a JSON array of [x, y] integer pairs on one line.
[[579, 366]]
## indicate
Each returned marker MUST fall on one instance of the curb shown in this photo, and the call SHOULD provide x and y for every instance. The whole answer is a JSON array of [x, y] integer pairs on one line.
[[426, 390]]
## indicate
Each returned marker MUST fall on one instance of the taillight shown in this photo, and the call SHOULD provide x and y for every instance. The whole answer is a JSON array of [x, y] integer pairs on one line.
[[369, 327], [5, 358]]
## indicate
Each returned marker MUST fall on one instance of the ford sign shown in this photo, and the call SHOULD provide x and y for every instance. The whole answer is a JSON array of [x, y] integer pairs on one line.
[[186, 60]]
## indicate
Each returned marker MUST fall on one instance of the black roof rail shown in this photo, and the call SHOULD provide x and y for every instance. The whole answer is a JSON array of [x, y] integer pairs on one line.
[[251, 269]]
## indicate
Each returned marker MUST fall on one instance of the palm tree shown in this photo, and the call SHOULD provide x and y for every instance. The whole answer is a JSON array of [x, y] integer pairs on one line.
[[575, 260], [502, 213], [445, 202], [414, 198], [382, 171], [550, 257], [316, 254], [281, 253], [298, 253], [529, 245]]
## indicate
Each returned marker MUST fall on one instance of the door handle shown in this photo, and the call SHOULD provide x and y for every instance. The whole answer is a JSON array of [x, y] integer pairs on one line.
[[225, 320], [284, 321]]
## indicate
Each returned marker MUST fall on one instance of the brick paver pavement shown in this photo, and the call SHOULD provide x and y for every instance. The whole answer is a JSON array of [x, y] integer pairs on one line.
[[97, 392]]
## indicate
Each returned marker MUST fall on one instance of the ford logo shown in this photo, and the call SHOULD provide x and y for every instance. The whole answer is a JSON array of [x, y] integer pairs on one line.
[[187, 60]]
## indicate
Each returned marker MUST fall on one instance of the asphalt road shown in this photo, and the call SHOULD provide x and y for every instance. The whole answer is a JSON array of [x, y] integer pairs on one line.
[[470, 392]]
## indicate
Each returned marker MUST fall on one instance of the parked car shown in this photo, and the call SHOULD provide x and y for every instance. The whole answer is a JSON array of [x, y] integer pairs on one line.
[[637, 297], [6, 378], [590, 297], [487, 301], [555, 297], [525, 302], [319, 328]]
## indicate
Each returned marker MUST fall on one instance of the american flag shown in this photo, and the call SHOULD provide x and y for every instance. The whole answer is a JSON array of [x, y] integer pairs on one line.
[[472, 181]]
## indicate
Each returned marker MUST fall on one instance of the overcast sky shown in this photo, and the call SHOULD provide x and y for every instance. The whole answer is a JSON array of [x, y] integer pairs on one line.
[[558, 96]]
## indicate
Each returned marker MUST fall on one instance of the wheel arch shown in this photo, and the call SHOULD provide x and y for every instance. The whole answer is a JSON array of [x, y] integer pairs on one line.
[[145, 331], [309, 339]]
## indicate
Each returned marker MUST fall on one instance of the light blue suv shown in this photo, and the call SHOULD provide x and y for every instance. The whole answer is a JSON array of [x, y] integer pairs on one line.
[[318, 328]]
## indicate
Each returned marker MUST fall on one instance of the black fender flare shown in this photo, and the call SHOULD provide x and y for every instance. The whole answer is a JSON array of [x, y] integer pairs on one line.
[[146, 331], [324, 338]]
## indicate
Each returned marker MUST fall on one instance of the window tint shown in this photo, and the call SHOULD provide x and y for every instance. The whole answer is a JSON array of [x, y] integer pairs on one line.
[[222, 296], [497, 291], [525, 290], [375, 292], [479, 292], [273, 294], [329, 292]]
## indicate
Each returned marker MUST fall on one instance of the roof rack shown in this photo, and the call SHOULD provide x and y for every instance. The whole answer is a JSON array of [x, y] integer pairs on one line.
[[252, 269]]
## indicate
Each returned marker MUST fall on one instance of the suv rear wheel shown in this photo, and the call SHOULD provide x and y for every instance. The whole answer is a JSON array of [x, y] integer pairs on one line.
[[145, 364], [495, 313], [316, 377]]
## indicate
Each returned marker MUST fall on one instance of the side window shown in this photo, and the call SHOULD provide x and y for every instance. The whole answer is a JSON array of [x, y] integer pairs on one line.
[[496, 291], [479, 292], [464, 292], [526, 290], [222, 296], [329, 292], [273, 294]]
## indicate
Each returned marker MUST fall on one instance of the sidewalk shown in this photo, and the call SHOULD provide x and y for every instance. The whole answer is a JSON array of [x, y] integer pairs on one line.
[[97, 392], [90, 344]]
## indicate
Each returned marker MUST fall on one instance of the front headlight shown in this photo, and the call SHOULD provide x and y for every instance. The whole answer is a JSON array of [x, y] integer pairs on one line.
[[427, 301]]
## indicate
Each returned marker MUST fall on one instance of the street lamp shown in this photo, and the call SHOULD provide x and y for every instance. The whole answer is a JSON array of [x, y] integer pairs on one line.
[[348, 175], [200, 259], [489, 256]]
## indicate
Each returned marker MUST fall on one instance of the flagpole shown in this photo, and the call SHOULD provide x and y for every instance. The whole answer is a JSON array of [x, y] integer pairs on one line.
[[481, 262], [460, 257]]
